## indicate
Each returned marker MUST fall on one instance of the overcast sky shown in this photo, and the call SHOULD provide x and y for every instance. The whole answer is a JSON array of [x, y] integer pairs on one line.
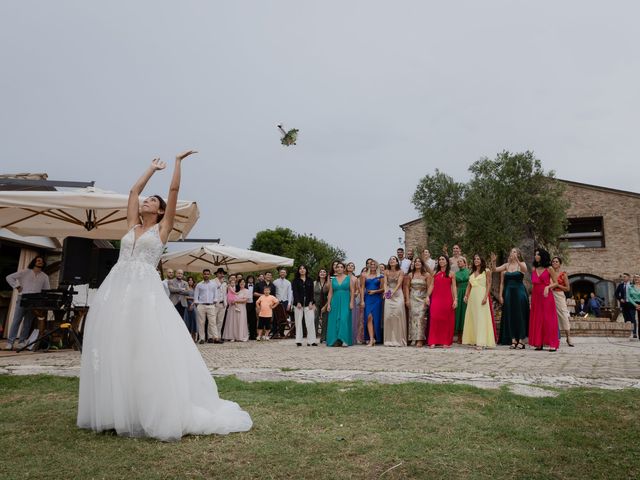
[[382, 92]]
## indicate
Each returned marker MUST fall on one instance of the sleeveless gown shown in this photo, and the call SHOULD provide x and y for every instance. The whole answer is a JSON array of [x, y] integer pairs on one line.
[[442, 319], [543, 319], [356, 316], [515, 310], [373, 307], [478, 322], [417, 315], [339, 322], [395, 319], [141, 373], [462, 280], [236, 326]]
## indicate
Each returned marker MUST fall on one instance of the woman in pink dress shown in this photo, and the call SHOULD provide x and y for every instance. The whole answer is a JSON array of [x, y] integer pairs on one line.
[[442, 296], [543, 319]]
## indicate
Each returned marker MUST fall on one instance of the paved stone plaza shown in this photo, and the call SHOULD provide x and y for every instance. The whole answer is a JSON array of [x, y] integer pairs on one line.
[[593, 362]]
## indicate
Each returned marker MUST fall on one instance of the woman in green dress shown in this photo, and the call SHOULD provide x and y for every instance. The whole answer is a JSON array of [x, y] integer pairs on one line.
[[514, 324], [339, 305], [462, 280]]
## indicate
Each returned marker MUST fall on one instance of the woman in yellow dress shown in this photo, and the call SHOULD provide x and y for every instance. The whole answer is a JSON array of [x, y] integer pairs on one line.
[[478, 326]]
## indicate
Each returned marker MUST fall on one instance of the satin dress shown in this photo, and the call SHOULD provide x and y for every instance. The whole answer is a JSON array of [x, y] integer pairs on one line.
[[442, 320], [543, 318], [373, 307], [478, 322], [339, 321]]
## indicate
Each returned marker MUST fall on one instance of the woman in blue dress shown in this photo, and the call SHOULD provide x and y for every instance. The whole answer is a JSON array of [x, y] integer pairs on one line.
[[339, 305], [371, 288]]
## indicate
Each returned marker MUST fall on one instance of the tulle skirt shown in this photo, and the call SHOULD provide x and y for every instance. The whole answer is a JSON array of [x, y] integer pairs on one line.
[[141, 373]]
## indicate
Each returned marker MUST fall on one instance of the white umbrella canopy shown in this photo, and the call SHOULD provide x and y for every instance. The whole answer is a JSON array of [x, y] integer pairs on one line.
[[81, 212], [214, 256]]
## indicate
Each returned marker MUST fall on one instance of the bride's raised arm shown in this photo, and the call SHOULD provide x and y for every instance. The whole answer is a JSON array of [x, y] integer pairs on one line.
[[166, 225], [133, 205]]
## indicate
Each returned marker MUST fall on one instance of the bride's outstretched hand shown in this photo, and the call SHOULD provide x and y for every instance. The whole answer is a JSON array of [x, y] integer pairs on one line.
[[158, 164], [184, 155]]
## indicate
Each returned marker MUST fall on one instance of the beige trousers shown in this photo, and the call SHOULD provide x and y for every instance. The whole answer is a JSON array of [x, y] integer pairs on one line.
[[215, 330], [562, 311], [309, 319]]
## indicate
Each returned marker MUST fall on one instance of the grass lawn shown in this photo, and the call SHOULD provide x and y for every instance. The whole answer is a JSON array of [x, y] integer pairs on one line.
[[337, 430]]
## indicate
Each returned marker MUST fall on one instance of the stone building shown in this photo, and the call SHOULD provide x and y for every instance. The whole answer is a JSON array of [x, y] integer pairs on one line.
[[603, 237]]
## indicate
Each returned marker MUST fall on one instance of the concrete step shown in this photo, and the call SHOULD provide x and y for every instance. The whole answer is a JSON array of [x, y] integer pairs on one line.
[[595, 327], [592, 319]]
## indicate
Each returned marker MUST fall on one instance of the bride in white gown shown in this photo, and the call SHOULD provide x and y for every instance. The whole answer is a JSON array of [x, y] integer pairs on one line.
[[141, 373]]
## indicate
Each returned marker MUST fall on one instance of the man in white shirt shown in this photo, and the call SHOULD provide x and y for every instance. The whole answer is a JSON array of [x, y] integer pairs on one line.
[[204, 297], [405, 263], [30, 280], [284, 294], [220, 306]]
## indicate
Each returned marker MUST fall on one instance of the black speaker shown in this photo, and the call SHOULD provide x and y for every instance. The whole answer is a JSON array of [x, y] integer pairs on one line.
[[76, 259], [102, 260]]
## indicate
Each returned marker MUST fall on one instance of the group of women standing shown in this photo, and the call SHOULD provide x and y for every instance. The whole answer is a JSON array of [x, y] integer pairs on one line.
[[431, 306]]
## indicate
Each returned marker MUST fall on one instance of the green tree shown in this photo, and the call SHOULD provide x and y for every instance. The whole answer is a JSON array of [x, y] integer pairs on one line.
[[277, 241], [305, 249], [509, 201], [441, 201]]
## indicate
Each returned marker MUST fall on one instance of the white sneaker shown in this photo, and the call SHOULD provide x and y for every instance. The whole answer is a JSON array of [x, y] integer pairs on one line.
[[8, 346], [266, 338], [21, 345]]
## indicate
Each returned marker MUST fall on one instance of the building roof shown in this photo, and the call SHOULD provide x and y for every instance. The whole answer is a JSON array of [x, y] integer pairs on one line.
[[26, 179], [412, 222], [600, 188]]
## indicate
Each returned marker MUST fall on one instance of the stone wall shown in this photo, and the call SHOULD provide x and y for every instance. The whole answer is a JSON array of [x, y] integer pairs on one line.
[[620, 213], [415, 236]]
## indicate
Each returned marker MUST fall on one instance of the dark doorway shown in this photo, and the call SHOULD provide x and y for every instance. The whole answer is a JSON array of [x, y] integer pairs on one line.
[[582, 284], [9, 258]]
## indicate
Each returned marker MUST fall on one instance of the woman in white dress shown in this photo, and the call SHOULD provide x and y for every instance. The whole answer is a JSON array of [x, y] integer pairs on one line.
[[141, 374]]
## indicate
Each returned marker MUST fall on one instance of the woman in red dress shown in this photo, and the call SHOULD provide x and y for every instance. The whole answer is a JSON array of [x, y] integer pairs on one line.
[[543, 319], [442, 296]]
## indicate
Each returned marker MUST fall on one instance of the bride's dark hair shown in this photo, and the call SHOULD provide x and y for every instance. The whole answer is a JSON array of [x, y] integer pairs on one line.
[[163, 207]]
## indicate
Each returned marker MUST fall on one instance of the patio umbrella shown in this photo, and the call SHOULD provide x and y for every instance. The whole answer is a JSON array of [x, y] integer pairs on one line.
[[83, 212], [232, 259]]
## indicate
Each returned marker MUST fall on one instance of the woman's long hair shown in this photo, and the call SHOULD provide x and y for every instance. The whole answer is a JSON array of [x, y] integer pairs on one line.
[[163, 207], [423, 267], [297, 275], [389, 264], [483, 264], [447, 268], [545, 258]]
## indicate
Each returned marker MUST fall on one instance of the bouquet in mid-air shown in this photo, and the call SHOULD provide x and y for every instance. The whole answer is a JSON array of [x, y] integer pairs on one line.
[[288, 137]]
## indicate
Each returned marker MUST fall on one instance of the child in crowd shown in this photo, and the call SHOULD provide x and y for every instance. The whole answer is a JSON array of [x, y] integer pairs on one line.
[[265, 305]]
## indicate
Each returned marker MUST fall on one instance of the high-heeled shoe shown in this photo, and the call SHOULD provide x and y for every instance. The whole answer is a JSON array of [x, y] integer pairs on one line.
[[514, 345]]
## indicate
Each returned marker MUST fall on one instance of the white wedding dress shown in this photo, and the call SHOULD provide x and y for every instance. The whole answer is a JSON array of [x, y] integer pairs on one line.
[[141, 373]]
